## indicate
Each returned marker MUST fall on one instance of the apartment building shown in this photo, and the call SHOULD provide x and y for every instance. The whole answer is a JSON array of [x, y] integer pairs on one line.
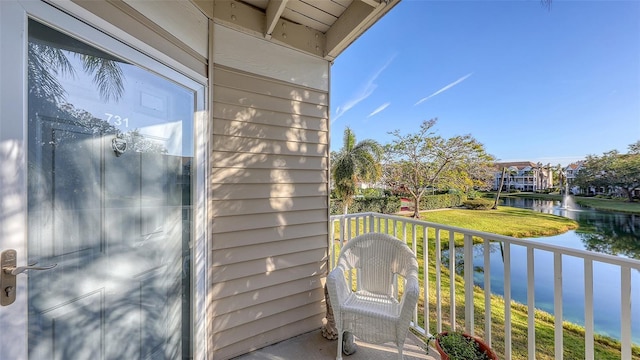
[[523, 176]]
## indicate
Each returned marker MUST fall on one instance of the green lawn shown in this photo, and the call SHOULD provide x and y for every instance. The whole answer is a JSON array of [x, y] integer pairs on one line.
[[511, 222], [508, 221]]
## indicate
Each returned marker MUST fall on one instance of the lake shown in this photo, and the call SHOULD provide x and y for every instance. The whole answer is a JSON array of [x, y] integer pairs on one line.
[[605, 232]]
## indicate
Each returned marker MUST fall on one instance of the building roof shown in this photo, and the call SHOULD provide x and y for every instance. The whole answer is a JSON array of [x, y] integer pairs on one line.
[[517, 164], [575, 165]]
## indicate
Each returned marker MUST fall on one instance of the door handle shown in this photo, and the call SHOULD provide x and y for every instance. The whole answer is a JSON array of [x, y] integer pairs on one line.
[[20, 269], [8, 275]]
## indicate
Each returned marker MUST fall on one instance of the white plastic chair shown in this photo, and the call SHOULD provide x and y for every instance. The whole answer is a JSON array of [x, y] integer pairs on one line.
[[372, 312]]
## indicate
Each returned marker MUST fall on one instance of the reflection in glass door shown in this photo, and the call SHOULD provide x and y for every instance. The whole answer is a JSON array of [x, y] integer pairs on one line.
[[109, 200]]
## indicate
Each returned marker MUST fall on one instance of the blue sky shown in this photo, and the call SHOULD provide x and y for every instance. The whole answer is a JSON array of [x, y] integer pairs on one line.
[[527, 82]]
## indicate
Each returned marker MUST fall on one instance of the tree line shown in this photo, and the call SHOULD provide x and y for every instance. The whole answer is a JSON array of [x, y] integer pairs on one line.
[[412, 164], [612, 171]]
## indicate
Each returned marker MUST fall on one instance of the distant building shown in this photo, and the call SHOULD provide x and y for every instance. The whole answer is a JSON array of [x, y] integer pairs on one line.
[[523, 176], [571, 171]]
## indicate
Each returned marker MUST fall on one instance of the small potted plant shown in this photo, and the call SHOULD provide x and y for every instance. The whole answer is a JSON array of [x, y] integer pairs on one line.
[[460, 346]]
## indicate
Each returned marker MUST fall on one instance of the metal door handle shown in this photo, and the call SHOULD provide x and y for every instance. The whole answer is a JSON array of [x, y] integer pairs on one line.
[[8, 275], [20, 269]]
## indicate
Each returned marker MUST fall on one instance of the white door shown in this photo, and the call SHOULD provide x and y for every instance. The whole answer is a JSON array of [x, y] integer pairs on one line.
[[97, 181]]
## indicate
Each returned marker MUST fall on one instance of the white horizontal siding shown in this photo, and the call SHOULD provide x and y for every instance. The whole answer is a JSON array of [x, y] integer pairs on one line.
[[230, 143], [262, 249], [266, 221], [264, 265], [252, 101], [264, 131], [236, 240], [263, 206], [268, 208], [232, 159], [245, 300], [284, 119], [236, 79], [263, 310], [256, 284], [273, 176]]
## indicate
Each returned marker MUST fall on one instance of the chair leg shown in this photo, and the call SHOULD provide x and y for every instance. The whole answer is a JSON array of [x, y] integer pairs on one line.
[[339, 356], [400, 348]]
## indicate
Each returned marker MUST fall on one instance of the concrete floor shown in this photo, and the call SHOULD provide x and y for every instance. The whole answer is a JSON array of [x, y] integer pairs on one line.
[[312, 346]]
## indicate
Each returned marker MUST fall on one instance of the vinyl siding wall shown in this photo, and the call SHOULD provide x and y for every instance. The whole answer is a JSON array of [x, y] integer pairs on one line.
[[268, 209]]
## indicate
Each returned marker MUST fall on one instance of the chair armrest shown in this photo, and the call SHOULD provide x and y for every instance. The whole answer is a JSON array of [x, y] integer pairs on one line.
[[409, 301], [338, 290]]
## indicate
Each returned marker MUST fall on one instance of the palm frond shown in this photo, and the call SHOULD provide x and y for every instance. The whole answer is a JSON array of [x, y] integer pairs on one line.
[[44, 64], [107, 76]]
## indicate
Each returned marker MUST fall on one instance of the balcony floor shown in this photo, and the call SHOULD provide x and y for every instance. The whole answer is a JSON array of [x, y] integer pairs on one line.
[[312, 346]]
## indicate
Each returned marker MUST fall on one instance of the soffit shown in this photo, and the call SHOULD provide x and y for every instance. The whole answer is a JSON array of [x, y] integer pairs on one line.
[[323, 28]]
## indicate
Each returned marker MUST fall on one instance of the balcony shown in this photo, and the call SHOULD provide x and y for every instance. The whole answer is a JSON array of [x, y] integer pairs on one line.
[[451, 290]]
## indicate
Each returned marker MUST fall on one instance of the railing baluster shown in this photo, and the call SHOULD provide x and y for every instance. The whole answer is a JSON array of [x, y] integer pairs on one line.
[[625, 312], [507, 300], [438, 256], [342, 234], [487, 290], [588, 310], [531, 304], [452, 279], [394, 226], [425, 258], [332, 248], [414, 247], [404, 232], [468, 285], [414, 238], [557, 304]]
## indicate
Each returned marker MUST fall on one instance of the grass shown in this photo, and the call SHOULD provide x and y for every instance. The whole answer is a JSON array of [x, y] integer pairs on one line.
[[508, 221], [511, 222]]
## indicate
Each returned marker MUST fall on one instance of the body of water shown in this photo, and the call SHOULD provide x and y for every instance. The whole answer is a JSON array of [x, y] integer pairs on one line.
[[605, 232]]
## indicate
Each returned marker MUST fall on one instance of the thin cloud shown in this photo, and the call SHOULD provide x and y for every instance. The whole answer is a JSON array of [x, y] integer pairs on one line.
[[380, 108], [444, 89], [367, 89]]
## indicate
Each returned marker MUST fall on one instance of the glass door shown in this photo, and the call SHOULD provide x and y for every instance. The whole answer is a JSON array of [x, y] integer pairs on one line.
[[109, 159]]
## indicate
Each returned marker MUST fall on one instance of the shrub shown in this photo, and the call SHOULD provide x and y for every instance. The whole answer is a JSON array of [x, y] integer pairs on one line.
[[441, 201], [473, 194], [478, 204], [371, 192], [383, 205]]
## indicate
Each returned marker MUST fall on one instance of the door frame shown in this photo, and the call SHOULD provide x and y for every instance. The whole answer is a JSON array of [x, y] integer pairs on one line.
[[14, 15]]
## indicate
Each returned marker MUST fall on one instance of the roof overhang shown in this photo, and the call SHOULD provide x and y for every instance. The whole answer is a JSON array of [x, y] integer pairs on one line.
[[323, 28]]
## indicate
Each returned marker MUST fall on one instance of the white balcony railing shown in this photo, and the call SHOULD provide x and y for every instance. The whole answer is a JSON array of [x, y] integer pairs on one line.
[[415, 232]]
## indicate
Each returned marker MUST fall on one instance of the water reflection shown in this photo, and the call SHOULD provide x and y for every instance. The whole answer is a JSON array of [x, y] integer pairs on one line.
[[605, 232]]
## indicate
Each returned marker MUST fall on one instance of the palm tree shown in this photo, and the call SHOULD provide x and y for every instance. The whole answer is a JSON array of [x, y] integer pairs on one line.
[[353, 164], [47, 62]]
